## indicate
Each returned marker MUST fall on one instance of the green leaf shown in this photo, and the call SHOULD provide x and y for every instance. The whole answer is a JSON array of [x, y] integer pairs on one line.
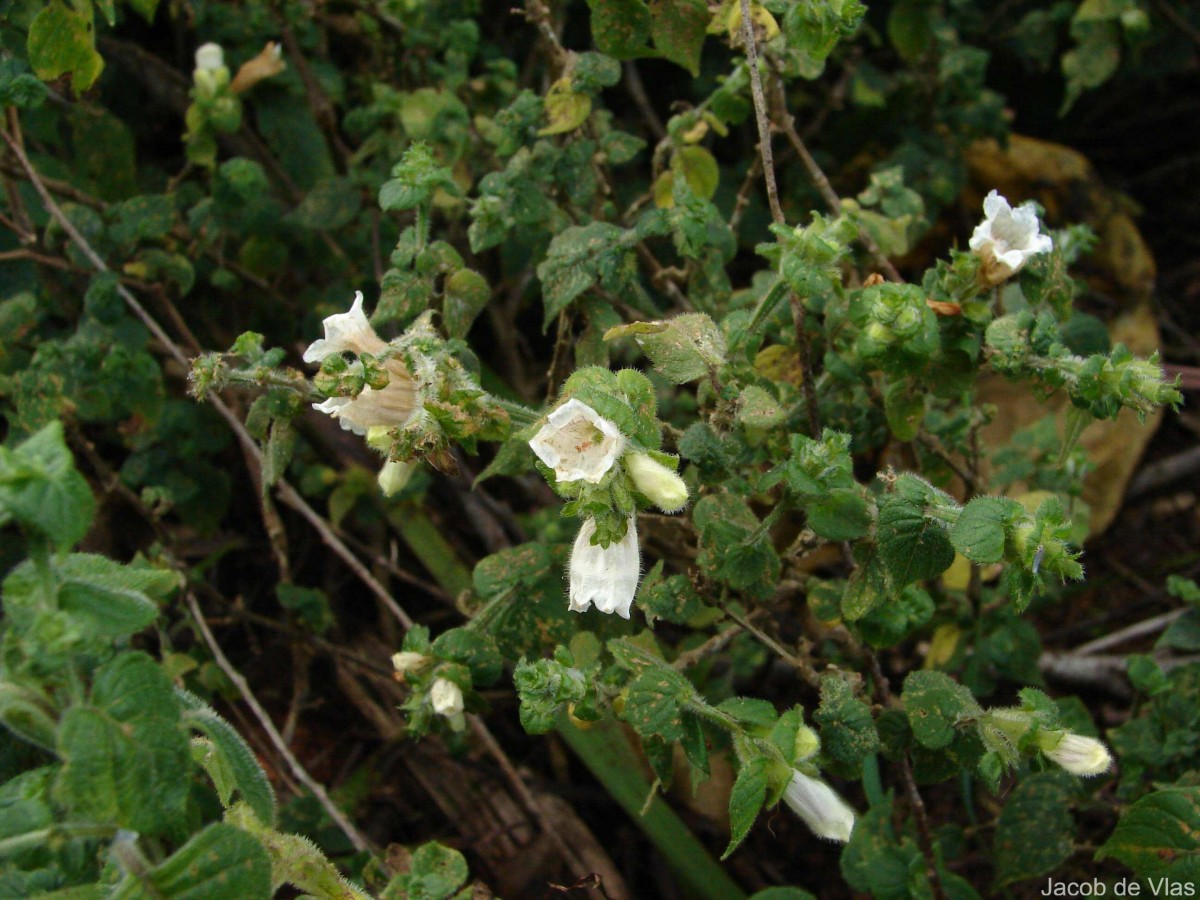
[[654, 703], [61, 41], [145, 218], [877, 860], [107, 596], [682, 349], [699, 168], [910, 28], [913, 547], [465, 294], [581, 257], [233, 756], [869, 587], [620, 28], [745, 800], [310, 605], [981, 528], [218, 863], [678, 28], [1035, 831], [1159, 836], [935, 704], [332, 203], [125, 757], [750, 711], [848, 734], [42, 490], [842, 515], [435, 873]]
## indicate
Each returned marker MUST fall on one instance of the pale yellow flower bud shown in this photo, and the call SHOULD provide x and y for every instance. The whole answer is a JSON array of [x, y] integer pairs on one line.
[[827, 814], [665, 489], [394, 476], [1079, 755]]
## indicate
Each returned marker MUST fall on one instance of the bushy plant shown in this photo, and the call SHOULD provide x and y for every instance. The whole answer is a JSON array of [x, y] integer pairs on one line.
[[735, 319]]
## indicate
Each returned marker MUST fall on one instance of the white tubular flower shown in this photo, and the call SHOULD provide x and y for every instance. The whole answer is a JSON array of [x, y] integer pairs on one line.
[[408, 661], [394, 476], [389, 407], [1006, 238], [210, 57], [447, 700], [827, 814], [606, 576], [1077, 754], [665, 489], [578, 443]]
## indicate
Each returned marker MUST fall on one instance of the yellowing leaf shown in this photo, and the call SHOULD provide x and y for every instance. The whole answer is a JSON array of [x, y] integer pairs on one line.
[[565, 109]]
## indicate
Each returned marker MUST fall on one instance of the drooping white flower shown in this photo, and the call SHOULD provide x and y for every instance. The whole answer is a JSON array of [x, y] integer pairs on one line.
[[447, 700], [1006, 238], [390, 406], [210, 57], [823, 811], [1076, 753], [269, 62], [665, 489], [606, 576], [578, 443]]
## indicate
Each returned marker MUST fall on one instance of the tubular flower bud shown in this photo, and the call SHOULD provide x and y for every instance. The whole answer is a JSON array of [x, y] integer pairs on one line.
[[827, 814], [1076, 753], [578, 443], [665, 489], [447, 700], [394, 476], [407, 661], [389, 406], [606, 576], [1006, 238]]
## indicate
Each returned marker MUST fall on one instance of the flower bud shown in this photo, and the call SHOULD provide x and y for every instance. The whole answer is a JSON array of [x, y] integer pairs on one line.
[[1076, 753], [394, 476], [665, 489], [827, 814], [269, 62], [407, 661], [447, 700], [807, 743]]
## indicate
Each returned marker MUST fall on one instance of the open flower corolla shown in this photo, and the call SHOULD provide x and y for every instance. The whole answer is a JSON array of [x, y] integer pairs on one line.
[[389, 406], [1007, 238], [578, 443]]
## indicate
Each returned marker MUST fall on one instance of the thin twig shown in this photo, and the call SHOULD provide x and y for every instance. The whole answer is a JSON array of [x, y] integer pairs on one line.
[[348, 828], [760, 115], [1137, 630], [637, 90], [287, 493], [807, 383], [821, 181]]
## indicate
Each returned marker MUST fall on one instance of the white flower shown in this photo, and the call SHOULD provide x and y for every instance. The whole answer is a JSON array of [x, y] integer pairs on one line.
[[210, 57], [665, 489], [348, 331], [578, 443], [1077, 754], [447, 700], [1006, 238], [394, 476], [607, 576], [408, 661], [388, 407], [827, 814]]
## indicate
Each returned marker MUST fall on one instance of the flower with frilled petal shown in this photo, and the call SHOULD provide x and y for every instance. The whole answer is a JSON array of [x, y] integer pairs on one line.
[[408, 661], [447, 700], [1006, 238], [389, 406], [1076, 753], [578, 443], [606, 576], [664, 488], [827, 814]]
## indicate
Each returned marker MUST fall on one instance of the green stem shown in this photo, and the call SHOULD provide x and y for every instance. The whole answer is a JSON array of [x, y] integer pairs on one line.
[[68, 831], [518, 412]]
